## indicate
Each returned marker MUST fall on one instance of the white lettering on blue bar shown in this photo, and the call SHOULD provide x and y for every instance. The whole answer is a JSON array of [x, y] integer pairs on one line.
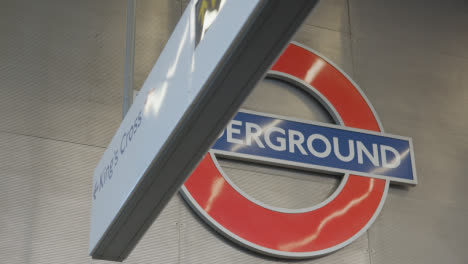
[[312, 145]]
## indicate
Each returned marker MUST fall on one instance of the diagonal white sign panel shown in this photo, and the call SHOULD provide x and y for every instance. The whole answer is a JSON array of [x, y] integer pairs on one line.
[[217, 53]]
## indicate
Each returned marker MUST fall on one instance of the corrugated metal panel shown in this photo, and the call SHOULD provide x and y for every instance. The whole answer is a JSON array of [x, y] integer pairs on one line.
[[61, 83], [411, 60], [59, 59], [155, 21], [280, 187], [44, 199], [418, 231], [332, 15]]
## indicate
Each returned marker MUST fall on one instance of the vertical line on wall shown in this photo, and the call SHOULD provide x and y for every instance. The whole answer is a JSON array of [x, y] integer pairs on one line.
[[369, 249], [179, 228], [353, 74]]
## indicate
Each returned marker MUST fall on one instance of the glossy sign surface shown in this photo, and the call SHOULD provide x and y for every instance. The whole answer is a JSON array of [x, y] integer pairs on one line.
[[306, 232], [279, 140], [122, 175]]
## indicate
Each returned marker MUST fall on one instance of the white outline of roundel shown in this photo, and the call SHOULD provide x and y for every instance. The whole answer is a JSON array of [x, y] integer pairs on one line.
[[284, 253]]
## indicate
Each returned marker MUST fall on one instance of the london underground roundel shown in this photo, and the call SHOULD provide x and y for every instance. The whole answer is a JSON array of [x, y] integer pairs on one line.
[[356, 147]]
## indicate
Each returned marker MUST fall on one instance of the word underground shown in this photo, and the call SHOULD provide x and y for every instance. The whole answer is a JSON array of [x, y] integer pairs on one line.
[[333, 148], [292, 141]]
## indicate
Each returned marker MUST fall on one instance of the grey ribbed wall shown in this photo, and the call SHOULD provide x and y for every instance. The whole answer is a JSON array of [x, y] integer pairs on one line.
[[61, 75]]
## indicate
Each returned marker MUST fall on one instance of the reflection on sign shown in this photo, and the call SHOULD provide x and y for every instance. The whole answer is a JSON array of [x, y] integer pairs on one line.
[[255, 136], [206, 12]]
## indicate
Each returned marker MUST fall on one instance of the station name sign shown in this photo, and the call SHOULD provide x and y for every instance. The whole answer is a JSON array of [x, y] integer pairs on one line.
[[215, 56]]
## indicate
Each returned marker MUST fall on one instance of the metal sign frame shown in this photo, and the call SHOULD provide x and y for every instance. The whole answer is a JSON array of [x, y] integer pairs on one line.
[[164, 140]]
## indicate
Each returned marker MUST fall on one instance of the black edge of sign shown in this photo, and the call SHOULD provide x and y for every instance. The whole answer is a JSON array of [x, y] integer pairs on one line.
[[267, 33]]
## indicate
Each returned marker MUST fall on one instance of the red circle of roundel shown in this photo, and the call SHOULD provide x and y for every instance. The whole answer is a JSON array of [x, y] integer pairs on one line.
[[296, 234]]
